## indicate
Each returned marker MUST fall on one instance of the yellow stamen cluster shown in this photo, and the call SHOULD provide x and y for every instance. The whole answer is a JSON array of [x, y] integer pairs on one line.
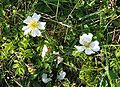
[[87, 44], [33, 24]]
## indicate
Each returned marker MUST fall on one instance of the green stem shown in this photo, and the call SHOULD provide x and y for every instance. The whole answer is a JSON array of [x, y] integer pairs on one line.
[[107, 69]]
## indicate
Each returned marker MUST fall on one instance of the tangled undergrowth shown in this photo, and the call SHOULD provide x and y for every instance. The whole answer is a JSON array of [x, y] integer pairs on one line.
[[59, 43]]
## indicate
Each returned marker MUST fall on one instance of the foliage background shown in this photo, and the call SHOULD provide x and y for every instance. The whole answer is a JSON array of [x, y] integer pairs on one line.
[[21, 63]]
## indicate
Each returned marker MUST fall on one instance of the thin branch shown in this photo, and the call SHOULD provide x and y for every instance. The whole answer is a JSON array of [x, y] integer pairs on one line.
[[7, 83], [17, 83]]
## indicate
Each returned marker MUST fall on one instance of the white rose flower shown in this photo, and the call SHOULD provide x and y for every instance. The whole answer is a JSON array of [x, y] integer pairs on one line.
[[61, 75], [33, 25], [45, 49], [89, 46], [45, 79]]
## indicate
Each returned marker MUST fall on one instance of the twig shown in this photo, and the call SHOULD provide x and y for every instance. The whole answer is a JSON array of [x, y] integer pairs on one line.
[[111, 21], [49, 17], [57, 9], [113, 35], [72, 10], [58, 22], [110, 45], [7, 83], [18, 83]]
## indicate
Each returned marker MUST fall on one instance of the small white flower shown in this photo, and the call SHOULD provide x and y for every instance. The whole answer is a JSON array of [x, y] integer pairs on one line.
[[59, 59], [33, 25], [45, 49], [61, 75], [45, 79], [89, 46]]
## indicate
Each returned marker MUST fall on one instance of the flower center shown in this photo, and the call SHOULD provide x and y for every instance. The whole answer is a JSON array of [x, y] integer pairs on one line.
[[33, 24], [87, 44]]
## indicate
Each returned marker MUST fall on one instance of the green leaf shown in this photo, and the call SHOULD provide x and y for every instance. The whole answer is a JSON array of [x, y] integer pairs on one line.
[[118, 10], [34, 76], [16, 65], [113, 75], [35, 84], [117, 84], [46, 65], [117, 53], [67, 83]]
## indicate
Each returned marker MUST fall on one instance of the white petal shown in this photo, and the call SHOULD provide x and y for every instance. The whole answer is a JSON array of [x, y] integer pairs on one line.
[[42, 25], [36, 17], [85, 38], [45, 49], [61, 75], [80, 48], [45, 79], [94, 46], [82, 39], [28, 20], [25, 27], [59, 59], [34, 32], [90, 35], [95, 43], [44, 75], [38, 33], [88, 51], [27, 31]]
